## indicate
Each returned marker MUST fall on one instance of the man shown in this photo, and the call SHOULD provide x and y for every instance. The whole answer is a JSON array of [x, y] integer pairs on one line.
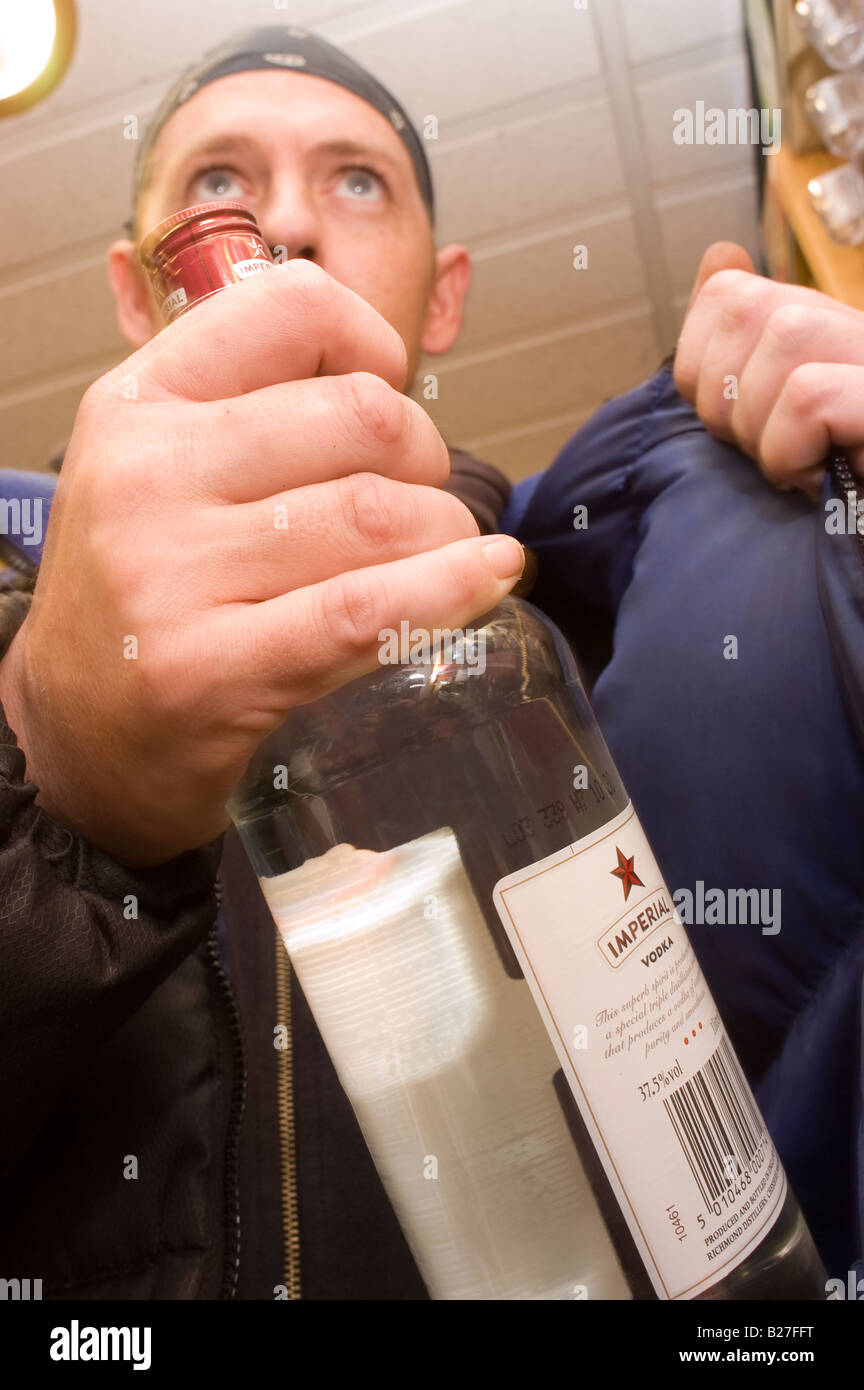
[[124, 1060], [127, 1079]]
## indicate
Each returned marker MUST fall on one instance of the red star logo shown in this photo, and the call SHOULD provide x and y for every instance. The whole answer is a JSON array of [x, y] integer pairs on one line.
[[626, 873]]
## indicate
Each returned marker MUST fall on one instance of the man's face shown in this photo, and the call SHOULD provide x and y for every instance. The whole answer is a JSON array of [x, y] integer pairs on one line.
[[324, 173]]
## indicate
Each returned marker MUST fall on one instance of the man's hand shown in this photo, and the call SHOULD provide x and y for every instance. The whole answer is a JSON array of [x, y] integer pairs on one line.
[[245, 502], [776, 369]]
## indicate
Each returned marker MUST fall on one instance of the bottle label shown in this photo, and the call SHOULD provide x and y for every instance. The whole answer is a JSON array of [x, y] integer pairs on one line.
[[243, 269], [174, 304], [663, 1096]]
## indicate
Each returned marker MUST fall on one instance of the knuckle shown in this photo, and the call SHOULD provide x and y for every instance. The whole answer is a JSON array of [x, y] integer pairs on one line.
[[736, 285], [376, 407], [299, 284], [460, 520], [744, 305], [716, 286], [805, 389], [371, 509], [353, 612], [790, 323], [92, 400], [100, 414]]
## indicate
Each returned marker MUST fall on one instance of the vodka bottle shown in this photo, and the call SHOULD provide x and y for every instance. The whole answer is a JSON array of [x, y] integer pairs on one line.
[[505, 988]]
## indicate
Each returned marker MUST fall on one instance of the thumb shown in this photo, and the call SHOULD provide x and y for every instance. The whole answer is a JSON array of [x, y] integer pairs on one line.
[[721, 255]]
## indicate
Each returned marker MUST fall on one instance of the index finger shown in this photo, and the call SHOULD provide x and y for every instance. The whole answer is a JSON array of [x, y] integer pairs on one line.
[[289, 323]]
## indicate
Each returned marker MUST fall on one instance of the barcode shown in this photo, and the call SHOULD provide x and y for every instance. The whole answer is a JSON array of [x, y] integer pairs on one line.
[[717, 1123]]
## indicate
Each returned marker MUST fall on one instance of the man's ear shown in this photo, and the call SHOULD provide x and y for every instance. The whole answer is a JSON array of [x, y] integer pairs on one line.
[[132, 293], [444, 314]]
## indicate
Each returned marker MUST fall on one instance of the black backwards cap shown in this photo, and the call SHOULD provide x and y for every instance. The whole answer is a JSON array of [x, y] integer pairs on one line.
[[298, 50]]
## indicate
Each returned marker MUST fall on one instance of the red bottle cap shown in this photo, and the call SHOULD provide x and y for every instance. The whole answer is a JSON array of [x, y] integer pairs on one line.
[[197, 252]]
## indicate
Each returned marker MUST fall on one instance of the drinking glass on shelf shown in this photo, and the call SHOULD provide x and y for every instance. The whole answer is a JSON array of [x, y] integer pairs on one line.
[[838, 197], [835, 106], [835, 28]]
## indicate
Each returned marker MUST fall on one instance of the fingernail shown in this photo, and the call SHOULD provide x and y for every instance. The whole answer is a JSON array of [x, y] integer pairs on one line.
[[505, 555]]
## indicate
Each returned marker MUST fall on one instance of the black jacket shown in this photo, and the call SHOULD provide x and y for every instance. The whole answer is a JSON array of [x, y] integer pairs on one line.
[[155, 1143]]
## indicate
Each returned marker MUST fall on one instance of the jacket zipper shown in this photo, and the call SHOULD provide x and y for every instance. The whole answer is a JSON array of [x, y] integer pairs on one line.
[[846, 485], [285, 1096], [231, 1267]]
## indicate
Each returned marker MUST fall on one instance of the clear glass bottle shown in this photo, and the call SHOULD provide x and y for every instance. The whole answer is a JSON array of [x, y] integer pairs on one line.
[[837, 196], [505, 989], [835, 106], [835, 28]]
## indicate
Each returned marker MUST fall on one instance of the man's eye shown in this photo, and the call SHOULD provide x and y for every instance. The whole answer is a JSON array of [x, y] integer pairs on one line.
[[213, 184], [362, 184]]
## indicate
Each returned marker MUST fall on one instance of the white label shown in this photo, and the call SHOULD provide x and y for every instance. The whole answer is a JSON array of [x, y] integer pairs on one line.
[[174, 304], [638, 1035], [242, 269]]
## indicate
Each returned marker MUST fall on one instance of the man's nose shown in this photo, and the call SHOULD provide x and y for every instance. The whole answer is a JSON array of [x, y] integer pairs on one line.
[[290, 223]]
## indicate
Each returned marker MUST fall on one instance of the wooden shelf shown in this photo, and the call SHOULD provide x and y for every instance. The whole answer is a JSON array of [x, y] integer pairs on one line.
[[837, 270]]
